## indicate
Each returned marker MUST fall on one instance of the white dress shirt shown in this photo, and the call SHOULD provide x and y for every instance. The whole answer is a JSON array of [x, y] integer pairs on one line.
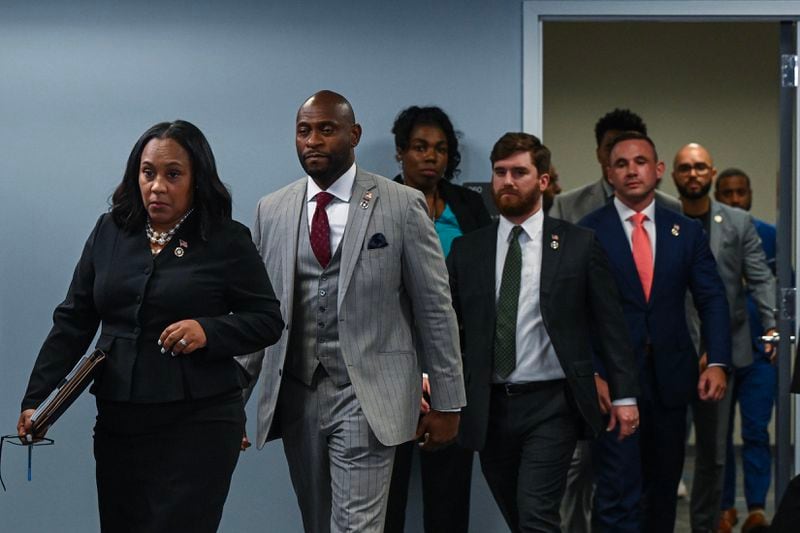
[[338, 208], [625, 213], [536, 357]]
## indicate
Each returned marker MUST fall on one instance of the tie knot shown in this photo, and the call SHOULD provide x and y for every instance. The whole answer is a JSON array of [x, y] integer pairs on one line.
[[638, 219], [515, 231], [323, 198]]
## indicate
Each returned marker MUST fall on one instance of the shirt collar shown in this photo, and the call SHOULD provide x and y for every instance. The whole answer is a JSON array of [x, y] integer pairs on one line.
[[342, 188], [626, 212], [532, 225]]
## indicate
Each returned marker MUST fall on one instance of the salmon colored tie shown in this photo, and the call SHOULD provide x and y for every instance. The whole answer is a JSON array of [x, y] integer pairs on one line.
[[320, 230], [642, 253]]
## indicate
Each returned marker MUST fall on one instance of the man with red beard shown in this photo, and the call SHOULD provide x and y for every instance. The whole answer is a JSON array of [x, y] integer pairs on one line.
[[527, 291]]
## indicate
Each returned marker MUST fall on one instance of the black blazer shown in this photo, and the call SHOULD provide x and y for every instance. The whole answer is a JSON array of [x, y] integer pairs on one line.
[[577, 294], [467, 205], [220, 282]]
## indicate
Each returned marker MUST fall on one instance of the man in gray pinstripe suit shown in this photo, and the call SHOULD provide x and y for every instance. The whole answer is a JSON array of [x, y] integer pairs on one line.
[[343, 385]]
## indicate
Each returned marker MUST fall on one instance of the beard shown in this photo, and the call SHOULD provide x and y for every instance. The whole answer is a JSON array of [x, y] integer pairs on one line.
[[516, 204], [693, 195]]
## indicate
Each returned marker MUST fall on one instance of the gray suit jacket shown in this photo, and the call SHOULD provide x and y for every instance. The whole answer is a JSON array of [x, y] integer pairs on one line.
[[742, 265], [577, 203], [384, 294]]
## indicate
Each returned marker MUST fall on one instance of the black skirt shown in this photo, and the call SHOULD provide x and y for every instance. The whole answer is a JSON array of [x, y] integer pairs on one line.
[[166, 467]]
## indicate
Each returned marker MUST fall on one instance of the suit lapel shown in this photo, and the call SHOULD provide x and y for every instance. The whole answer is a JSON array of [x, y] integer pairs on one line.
[[552, 241], [619, 251], [668, 233], [293, 225], [716, 228], [362, 204]]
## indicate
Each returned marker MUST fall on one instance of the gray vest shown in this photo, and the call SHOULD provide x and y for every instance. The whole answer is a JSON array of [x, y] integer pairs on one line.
[[314, 337]]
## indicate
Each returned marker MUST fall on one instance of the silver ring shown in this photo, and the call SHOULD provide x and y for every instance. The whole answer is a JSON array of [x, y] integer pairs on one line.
[[634, 427], [183, 342]]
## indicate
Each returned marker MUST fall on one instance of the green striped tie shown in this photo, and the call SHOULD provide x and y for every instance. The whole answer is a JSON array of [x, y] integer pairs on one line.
[[505, 333]]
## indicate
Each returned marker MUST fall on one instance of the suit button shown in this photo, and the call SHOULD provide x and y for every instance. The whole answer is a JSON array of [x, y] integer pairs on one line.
[[147, 270], [323, 292], [324, 278], [137, 331], [322, 309], [321, 324], [138, 299]]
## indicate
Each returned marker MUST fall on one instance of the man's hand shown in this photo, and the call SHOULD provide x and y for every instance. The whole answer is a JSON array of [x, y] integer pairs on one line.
[[245, 442], [703, 363], [424, 406], [769, 348], [436, 429], [627, 416], [712, 384], [603, 396]]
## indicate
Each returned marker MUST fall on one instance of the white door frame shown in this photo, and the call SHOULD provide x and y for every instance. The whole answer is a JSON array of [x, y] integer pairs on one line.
[[536, 12]]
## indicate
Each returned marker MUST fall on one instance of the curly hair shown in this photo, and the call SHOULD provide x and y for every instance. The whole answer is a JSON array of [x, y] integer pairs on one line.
[[618, 120], [414, 116], [212, 200]]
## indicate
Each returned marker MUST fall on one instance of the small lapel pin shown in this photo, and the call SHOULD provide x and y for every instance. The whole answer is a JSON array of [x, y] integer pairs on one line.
[[179, 252], [676, 230], [183, 243], [365, 200], [554, 241], [718, 219]]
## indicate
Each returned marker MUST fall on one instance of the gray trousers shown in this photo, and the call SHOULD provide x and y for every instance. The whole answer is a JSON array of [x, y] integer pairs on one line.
[[339, 469], [710, 430]]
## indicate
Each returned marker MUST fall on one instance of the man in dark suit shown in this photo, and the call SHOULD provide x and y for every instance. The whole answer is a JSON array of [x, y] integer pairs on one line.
[[655, 256], [528, 359]]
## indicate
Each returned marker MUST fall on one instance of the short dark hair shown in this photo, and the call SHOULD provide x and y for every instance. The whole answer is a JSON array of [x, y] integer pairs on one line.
[[511, 143], [212, 200], [729, 173], [632, 136], [618, 120], [414, 116]]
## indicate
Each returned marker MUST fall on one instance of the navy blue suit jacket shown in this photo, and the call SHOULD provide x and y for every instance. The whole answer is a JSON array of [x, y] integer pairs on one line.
[[683, 261]]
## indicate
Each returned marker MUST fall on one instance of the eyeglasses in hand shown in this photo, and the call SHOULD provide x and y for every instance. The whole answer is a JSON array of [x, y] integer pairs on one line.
[[16, 440]]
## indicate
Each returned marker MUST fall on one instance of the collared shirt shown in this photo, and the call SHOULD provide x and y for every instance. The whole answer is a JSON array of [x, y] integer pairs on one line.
[[338, 208], [536, 357], [625, 213]]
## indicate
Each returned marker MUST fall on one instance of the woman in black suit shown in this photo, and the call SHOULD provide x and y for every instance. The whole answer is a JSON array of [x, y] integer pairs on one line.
[[178, 290], [427, 148]]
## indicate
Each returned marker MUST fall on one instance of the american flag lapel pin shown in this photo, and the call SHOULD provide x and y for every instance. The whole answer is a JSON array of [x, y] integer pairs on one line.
[[179, 250], [676, 230], [554, 241]]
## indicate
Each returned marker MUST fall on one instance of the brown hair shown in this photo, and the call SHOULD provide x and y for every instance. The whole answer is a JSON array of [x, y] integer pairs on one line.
[[511, 143]]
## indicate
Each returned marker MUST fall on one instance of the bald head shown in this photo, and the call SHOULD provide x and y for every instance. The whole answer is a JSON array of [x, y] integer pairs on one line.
[[326, 135], [693, 171], [332, 101]]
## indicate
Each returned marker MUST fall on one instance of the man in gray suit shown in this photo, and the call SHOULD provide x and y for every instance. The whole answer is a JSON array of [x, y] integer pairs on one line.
[[572, 206], [742, 265], [356, 265]]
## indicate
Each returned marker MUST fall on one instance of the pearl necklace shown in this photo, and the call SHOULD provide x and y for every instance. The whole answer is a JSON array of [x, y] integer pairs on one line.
[[161, 238]]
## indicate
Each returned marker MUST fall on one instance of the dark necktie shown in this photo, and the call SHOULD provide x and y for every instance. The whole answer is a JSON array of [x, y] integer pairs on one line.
[[505, 334], [321, 231]]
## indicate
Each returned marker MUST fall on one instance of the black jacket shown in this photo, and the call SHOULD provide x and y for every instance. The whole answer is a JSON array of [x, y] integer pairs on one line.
[[467, 205], [220, 282]]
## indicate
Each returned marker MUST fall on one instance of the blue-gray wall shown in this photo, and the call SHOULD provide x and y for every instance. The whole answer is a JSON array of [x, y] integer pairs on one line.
[[80, 81]]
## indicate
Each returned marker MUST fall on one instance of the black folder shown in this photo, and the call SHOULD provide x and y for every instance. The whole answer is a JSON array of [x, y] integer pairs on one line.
[[66, 393]]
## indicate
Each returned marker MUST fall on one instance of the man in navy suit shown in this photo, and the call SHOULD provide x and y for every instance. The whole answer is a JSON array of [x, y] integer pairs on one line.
[[655, 255]]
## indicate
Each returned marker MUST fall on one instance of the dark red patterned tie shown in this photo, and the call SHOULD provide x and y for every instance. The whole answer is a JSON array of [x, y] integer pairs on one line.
[[321, 230]]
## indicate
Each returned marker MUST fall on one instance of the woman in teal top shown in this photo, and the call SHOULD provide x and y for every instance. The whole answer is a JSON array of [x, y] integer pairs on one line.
[[427, 149]]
